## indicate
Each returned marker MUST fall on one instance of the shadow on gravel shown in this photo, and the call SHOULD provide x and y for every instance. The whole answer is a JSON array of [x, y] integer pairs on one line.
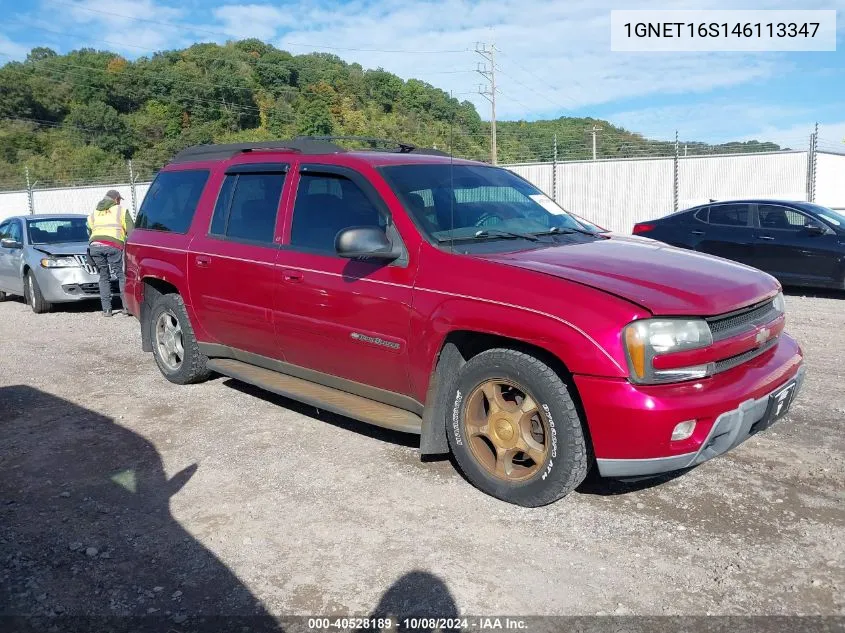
[[420, 595], [341, 421], [595, 485], [87, 541]]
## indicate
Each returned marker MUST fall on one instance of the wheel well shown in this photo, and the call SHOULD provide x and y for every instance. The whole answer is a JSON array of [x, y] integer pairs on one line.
[[471, 344], [153, 289], [160, 286]]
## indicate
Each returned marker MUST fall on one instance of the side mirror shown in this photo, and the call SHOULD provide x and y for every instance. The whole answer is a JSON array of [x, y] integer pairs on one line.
[[815, 229], [364, 242], [8, 242]]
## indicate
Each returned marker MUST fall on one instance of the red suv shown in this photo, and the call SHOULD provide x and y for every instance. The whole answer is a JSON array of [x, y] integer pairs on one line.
[[455, 300]]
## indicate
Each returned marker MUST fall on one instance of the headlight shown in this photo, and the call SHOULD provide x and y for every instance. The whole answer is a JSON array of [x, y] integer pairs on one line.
[[648, 338], [59, 262], [778, 303]]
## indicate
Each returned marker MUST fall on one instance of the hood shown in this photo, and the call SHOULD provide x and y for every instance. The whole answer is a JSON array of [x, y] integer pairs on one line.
[[62, 248], [661, 278]]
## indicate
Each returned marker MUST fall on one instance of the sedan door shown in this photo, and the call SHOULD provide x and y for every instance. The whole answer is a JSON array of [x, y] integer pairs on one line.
[[791, 251], [728, 233], [10, 258]]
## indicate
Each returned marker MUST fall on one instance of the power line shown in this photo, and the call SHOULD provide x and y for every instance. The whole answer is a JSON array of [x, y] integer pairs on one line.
[[536, 76]]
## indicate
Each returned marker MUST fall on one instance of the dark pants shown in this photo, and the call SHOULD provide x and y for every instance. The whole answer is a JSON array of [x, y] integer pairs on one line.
[[108, 260]]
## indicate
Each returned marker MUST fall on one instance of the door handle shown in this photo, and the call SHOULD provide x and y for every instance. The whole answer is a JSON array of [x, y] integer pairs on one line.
[[292, 276], [766, 237], [202, 260], [697, 232]]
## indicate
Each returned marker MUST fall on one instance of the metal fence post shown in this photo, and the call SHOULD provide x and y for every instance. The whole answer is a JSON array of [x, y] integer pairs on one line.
[[815, 163], [675, 182], [132, 190], [29, 197], [554, 171]]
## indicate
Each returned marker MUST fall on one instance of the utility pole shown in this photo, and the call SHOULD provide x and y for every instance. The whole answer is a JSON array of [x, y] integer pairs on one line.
[[594, 130], [489, 54]]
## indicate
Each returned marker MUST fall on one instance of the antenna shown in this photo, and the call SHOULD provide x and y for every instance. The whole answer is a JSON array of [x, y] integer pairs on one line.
[[452, 180]]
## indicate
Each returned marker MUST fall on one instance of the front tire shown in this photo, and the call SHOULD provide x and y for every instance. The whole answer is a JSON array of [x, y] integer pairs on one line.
[[175, 347], [514, 430], [33, 295], [2, 296]]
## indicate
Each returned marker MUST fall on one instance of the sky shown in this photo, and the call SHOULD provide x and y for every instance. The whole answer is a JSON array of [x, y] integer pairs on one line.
[[553, 58]]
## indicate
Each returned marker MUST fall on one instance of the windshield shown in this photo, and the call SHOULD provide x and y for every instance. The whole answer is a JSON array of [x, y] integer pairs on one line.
[[57, 230], [836, 218], [454, 202]]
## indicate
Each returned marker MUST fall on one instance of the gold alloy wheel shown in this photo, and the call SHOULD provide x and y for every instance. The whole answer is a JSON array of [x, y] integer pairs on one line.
[[507, 431]]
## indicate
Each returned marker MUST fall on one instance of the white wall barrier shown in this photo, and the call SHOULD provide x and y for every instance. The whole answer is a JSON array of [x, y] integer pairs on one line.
[[615, 194]]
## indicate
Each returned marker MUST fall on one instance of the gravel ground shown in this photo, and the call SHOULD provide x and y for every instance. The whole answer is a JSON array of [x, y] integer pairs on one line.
[[121, 493]]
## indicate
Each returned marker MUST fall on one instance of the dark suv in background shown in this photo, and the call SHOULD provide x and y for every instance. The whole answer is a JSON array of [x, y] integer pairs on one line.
[[800, 243]]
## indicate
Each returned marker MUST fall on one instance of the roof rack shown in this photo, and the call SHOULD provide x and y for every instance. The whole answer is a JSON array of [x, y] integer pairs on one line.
[[307, 145]]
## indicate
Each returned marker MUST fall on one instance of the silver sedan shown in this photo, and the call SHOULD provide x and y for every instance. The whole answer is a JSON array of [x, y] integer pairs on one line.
[[44, 259]]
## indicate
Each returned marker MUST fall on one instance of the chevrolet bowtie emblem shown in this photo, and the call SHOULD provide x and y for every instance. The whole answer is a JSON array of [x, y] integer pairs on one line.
[[763, 335]]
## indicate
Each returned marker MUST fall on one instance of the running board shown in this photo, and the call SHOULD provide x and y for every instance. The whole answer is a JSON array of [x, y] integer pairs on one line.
[[320, 396]]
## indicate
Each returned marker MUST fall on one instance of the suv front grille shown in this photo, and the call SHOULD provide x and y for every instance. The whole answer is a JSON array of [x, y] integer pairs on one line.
[[83, 261], [743, 320], [739, 359]]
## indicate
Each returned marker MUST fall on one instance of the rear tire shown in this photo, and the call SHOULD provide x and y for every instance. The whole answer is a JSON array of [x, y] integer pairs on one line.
[[33, 295], [175, 347], [514, 429]]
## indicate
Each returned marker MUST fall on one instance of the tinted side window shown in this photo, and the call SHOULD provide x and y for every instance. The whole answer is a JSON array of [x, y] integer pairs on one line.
[[4, 230], [172, 200], [729, 214], [325, 205], [702, 215], [774, 216], [247, 206]]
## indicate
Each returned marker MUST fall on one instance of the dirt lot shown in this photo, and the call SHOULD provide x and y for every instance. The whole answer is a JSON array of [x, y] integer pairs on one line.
[[121, 493]]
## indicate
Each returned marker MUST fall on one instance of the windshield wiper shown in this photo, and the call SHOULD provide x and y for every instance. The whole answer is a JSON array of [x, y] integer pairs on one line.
[[499, 233], [559, 230]]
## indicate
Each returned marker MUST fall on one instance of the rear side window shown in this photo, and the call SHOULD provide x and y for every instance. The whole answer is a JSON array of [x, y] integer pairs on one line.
[[729, 215], [247, 206], [172, 200]]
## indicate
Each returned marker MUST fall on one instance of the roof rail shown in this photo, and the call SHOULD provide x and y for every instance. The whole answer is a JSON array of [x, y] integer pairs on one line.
[[301, 144]]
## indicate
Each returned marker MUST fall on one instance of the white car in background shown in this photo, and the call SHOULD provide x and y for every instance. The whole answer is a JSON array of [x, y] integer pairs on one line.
[[44, 258]]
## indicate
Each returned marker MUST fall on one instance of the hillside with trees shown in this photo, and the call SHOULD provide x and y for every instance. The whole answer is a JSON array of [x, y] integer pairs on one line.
[[77, 118]]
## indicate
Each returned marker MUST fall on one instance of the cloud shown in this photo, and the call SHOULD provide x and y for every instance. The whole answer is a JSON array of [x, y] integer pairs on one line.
[[554, 56], [11, 51], [129, 26], [715, 120], [797, 135], [254, 20]]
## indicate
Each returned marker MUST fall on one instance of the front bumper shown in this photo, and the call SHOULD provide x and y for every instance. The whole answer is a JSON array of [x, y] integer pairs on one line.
[[729, 430], [59, 285], [631, 425]]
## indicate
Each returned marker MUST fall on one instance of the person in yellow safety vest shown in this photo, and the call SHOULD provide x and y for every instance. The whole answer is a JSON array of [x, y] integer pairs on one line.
[[108, 226]]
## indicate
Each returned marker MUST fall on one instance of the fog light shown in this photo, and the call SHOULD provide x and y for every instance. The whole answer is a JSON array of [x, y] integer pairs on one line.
[[683, 430]]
